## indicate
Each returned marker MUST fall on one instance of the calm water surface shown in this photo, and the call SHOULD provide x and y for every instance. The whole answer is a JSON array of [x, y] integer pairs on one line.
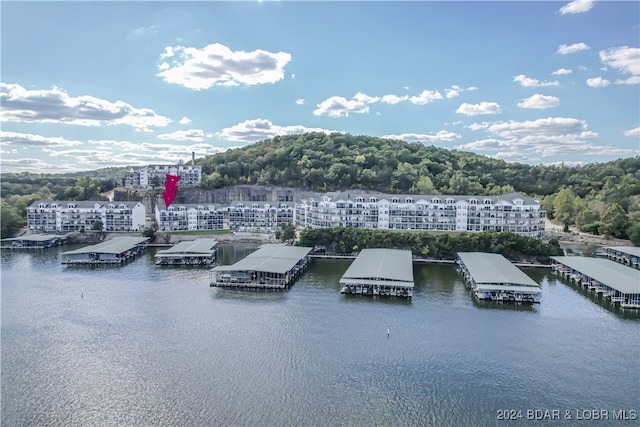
[[144, 345]]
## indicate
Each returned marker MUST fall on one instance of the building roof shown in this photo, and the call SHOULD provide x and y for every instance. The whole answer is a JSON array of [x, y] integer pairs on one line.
[[613, 274], [116, 245], [494, 269], [391, 265], [197, 247], [35, 238], [351, 195], [83, 204], [269, 258], [629, 250]]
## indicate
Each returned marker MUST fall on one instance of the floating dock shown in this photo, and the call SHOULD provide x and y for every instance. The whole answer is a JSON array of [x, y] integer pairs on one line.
[[33, 241], [627, 255], [194, 252], [117, 250], [272, 266], [380, 272], [614, 281], [493, 277]]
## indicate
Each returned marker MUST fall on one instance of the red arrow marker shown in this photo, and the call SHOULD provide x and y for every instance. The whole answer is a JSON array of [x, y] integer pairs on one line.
[[168, 198]]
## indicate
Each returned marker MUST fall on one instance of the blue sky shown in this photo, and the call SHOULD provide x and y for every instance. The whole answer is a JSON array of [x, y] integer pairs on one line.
[[86, 85]]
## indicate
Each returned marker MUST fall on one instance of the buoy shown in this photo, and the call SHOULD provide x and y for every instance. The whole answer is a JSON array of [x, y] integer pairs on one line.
[[388, 331]]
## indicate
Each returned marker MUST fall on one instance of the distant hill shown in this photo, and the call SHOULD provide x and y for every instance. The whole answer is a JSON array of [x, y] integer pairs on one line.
[[321, 162]]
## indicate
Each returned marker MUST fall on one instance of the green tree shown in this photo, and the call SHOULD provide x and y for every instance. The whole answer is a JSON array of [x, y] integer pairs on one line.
[[588, 220], [10, 220], [97, 226], [563, 206], [615, 222], [286, 232]]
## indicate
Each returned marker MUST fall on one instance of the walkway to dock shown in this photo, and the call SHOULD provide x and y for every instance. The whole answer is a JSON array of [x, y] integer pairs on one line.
[[272, 266], [493, 277], [380, 272], [612, 280]]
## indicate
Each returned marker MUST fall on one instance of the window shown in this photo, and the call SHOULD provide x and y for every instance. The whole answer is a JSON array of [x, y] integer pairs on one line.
[[408, 200], [394, 200]]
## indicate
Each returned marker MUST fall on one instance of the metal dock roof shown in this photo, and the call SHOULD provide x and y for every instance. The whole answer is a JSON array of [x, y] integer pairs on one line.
[[615, 275], [202, 247], [494, 269], [35, 238], [375, 265], [116, 245], [630, 250], [276, 258]]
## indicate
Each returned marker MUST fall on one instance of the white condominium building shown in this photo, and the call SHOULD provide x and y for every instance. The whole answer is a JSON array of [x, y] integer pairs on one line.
[[66, 216], [510, 212], [154, 175], [259, 215]]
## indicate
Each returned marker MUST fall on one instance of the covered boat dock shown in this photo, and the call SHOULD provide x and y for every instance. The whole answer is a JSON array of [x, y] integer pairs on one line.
[[272, 266], [33, 241], [194, 252], [614, 281], [627, 255], [380, 272], [493, 277], [114, 251]]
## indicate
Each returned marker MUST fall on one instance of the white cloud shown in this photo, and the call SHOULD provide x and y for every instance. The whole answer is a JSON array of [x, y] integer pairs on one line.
[[441, 136], [633, 132], [339, 106], [56, 106], [261, 129], [293, 76], [363, 97], [193, 135], [300, 101], [30, 164], [598, 82], [394, 99], [567, 49], [633, 80], [478, 125], [577, 6], [561, 72], [217, 65], [624, 59], [478, 109], [529, 82], [406, 87], [30, 140], [425, 97], [539, 102], [185, 121], [530, 140]]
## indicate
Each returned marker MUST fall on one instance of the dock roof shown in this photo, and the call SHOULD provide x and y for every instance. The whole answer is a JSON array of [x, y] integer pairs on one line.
[[615, 275], [269, 258], [494, 269], [116, 245], [391, 265], [35, 238], [630, 250], [202, 247]]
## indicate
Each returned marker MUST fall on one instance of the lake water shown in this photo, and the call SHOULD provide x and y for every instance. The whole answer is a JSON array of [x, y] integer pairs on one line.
[[144, 345]]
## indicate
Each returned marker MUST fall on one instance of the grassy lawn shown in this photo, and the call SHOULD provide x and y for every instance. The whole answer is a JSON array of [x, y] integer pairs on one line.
[[198, 232]]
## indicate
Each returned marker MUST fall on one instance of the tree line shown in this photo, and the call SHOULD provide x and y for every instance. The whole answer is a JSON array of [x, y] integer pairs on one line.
[[438, 245]]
